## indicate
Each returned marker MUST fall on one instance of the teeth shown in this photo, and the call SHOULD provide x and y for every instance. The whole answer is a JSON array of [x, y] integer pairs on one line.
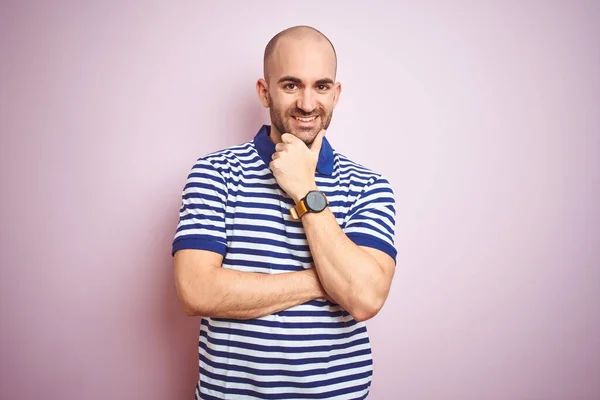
[[305, 119]]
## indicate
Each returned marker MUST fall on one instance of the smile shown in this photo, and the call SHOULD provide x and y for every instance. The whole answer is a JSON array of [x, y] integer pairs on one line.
[[306, 119]]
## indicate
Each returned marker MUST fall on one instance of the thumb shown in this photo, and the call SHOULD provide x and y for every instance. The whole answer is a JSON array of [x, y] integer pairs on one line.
[[315, 147]]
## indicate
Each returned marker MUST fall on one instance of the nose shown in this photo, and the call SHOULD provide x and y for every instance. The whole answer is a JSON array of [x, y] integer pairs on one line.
[[306, 101]]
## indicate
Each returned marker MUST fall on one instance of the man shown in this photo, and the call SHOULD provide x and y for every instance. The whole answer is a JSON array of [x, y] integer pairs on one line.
[[284, 246]]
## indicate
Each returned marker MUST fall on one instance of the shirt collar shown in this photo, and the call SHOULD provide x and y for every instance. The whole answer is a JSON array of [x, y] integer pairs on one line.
[[265, 147]]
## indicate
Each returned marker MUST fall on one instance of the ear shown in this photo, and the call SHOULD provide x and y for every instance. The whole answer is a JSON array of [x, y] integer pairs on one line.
[[337, 91], [262, 89]]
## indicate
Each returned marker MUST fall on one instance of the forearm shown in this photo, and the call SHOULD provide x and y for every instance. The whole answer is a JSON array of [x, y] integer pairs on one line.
[[226, 293], [349, 275]]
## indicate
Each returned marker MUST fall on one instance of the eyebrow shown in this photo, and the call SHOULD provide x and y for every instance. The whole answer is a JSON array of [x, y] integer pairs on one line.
[[293, 79]]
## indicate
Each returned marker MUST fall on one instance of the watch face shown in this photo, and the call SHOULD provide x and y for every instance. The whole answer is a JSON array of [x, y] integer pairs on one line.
[[316, 201]]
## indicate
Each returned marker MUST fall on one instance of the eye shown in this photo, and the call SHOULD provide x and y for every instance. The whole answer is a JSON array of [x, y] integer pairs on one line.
[[322, 88], [290, 86]]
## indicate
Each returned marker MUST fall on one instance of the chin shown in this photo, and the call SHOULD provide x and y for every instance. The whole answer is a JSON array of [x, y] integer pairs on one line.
[[307, 136]]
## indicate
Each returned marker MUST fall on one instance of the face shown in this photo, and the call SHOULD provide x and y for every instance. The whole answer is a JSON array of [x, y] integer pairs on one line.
[[301, 92]]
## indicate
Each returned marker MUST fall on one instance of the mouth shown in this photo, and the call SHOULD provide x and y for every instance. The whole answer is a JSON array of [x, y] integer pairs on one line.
[[306, 119]]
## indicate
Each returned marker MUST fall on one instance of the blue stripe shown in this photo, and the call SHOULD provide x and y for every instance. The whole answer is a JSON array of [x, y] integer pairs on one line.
[[268, 229], [283, 206], [270, 254], [318, 303], [282, 349], [272, 242], [263, 218], [216, 229], [265, 176], [198, 242], [276, 396], [283, 361], [288, 325], [283, 372], [203, 196], [345, 168], [307, 313], [369, 241], [383, 215], [203, 175], [377, 200], [284, 384], [354, 177], [328, 183], [201, 206], [356, 223], [279, 195], [207, 186], [243, 150], [253, 204], [274, 186], [201, 218], [229, 167], [267, 266], [270, 186], [264, 195], [235, 158]]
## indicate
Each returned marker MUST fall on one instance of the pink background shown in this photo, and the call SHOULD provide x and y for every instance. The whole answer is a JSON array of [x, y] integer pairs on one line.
[[485, 118]]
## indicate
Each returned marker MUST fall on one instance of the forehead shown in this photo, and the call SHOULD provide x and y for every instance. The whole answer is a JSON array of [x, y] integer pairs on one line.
[[308, 59]]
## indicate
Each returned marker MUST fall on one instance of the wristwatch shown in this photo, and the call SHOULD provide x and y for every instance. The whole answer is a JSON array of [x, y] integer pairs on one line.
[[315, 202]]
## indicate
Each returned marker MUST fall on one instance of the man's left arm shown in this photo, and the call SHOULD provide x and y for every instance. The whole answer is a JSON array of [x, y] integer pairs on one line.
[[357, 273], [358, 278]]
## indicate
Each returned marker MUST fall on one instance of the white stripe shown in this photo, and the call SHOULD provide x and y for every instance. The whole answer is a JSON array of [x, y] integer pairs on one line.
[[195, 201], [273, 262], [267, 236], [285, 343], [294, 379], [237, 169], [283, 332], [203, 222], [288, 367], [201, 231], [278, 390]]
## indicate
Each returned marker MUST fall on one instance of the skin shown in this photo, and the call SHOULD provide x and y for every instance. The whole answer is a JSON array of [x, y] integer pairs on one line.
[[299, 81]]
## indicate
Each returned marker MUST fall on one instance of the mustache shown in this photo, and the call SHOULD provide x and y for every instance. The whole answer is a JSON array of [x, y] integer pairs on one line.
[[301, 113]]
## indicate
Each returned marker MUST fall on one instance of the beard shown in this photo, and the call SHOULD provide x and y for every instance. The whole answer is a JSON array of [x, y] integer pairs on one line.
[[282, 120]]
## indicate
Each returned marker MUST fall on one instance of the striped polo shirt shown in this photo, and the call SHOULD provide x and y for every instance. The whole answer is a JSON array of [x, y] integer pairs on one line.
[[232, 205]]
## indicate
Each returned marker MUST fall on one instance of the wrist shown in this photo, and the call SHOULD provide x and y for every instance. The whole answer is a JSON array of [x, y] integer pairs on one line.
[[299, 195], [316, 289]]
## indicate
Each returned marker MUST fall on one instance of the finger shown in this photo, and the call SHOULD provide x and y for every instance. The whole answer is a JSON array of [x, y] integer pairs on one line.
[[315, 147], [275, 156], [281, 147]]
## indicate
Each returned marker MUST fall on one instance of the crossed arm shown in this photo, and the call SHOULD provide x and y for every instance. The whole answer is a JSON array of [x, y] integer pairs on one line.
[[355, 277], [205, 288]]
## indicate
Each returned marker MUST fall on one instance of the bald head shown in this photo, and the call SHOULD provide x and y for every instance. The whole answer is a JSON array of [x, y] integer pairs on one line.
[[299, 86], [301, 33]]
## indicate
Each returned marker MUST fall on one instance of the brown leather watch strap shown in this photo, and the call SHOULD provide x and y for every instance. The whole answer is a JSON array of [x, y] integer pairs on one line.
[[298, 210]]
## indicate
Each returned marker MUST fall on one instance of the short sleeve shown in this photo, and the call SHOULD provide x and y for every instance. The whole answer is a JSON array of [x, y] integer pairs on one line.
[[202, 213], [371, 219]]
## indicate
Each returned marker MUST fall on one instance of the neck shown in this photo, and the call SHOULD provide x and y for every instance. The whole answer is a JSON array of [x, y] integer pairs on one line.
[[275, 135]]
